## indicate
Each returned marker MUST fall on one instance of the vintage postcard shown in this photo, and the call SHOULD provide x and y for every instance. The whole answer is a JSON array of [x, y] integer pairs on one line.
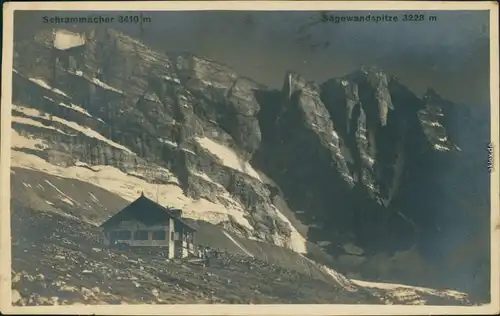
[[250, 158]]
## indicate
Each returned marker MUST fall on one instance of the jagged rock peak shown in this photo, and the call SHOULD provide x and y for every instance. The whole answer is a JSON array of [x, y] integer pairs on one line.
[[375, 82], [372, 69], [294, 82], [204, 67]]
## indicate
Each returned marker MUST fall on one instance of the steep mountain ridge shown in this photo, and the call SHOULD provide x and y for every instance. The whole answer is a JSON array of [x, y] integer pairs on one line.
[[322, 169]]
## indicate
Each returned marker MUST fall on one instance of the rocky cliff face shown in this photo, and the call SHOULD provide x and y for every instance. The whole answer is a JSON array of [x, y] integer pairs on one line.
[[355, 167], [191, 117], [371, 168]]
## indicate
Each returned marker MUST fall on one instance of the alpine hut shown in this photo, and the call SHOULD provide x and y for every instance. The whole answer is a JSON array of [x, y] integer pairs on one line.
[[146, 223]]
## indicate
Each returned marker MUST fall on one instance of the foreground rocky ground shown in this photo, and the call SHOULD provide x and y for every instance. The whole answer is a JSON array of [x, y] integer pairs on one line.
[[59, 261]]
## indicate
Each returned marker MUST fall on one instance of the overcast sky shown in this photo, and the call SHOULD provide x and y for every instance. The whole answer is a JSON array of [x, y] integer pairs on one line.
[[450, 54]]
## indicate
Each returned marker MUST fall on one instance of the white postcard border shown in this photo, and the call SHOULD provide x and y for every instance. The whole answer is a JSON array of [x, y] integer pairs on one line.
[[219, 309]]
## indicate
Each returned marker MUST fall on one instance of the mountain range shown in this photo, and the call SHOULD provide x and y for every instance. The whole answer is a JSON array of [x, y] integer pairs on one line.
[[355, 178]]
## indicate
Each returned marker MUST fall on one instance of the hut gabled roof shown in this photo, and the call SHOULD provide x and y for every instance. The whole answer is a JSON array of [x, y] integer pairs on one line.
[[146, 211]]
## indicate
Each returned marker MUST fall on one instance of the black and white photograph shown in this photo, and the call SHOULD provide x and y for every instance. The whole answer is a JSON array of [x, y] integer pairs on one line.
[[222, 157]]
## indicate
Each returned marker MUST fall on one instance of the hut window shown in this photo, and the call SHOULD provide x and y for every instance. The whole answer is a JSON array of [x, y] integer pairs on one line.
[[159, 235], [121, 235], [141, 235]]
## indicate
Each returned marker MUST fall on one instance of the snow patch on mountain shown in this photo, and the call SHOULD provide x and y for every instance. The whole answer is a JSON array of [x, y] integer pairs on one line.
[[238, 244], [168, 142], [70, 106], [68, 201], [298, 242], [339, 278], [205, 177], [440, 147], [401, 291], [216, 213], [28, 121], [65, 197], [228, 157], [75, 108], [93, 197], [168, 78], [105, 85], [45, 85], [64, 39], [129, 187], [79, 128]]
